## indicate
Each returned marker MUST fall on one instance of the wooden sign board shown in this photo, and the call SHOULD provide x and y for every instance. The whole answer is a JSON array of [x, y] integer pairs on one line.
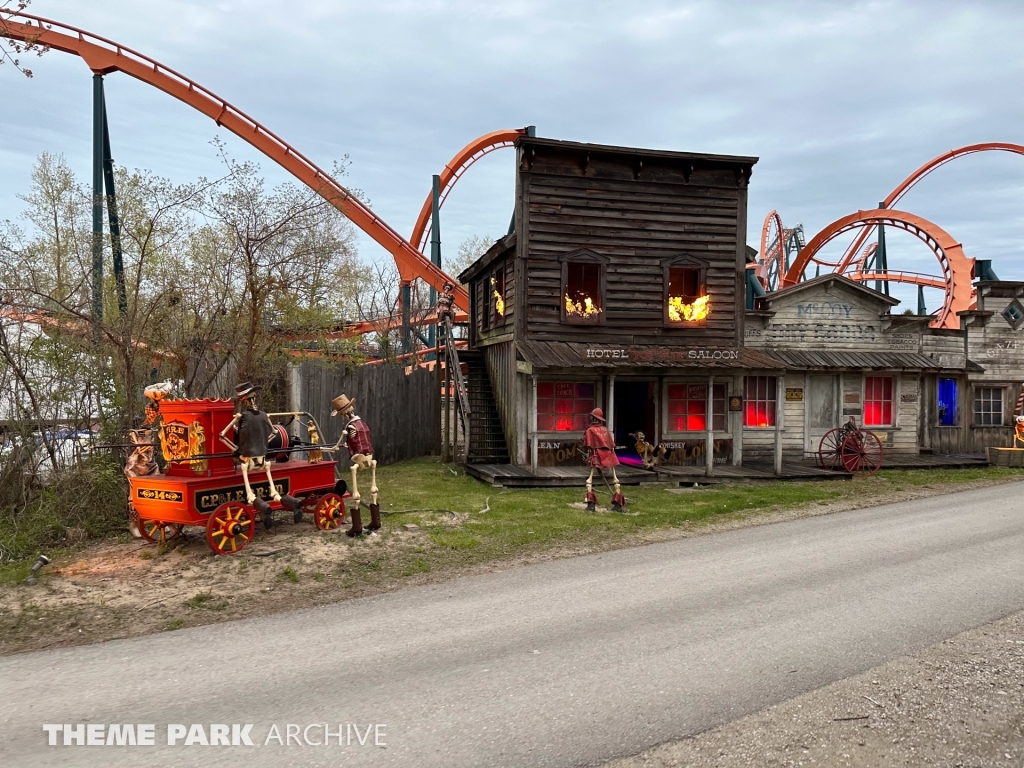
[[794, 394]]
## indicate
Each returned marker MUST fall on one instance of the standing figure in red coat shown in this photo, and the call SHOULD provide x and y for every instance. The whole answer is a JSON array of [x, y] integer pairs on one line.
[[601, 456]]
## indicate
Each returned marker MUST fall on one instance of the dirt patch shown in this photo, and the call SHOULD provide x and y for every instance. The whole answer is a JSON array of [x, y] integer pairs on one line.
[[113, 590], [957, 703]]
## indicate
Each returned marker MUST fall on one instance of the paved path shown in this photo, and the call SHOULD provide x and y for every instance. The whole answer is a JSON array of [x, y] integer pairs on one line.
[[559, 664]]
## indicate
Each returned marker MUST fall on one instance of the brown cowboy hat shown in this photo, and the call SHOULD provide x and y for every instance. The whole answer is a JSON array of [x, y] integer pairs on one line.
[[340, 403], [246, 388]]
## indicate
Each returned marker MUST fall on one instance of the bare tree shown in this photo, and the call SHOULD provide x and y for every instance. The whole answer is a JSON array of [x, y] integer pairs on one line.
[[12, 49]]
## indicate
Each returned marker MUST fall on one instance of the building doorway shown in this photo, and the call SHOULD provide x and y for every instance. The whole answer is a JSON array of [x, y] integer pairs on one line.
[[821, 408], [636, 410]]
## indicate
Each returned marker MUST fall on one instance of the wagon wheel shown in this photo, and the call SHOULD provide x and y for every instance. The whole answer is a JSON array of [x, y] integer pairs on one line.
[[861, 453], [330, 512], [230, 528], [829, 450], [157, 532]]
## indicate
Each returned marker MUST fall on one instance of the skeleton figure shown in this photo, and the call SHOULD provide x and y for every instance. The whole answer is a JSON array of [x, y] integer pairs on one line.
[[446, 303], [601, 456], [649, 455], [356, 437], [254, 432]]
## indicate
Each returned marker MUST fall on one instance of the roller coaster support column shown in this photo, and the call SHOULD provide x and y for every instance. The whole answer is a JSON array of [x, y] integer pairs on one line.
[[921, 308], [406, 317], [881, 260], [435, 244], [113, 219], [97, 201]]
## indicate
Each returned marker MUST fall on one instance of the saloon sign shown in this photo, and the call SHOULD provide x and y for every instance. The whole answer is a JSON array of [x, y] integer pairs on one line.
[[641, 355]]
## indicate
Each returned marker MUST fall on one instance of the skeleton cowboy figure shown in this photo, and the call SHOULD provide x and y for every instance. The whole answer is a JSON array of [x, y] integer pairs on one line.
[[356, 437], [254, 432], [601, 456]]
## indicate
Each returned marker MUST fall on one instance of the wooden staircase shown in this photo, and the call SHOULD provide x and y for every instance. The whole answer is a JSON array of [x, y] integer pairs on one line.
[[486, 437]]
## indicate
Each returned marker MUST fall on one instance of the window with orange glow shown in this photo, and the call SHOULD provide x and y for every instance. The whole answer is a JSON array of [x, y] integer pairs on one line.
[[582, 298], [564, 406], [878, 401], [686, 300], [688, 405], [759, 399]]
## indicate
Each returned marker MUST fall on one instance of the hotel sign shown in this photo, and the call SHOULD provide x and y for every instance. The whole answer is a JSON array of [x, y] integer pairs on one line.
[[641, 355]]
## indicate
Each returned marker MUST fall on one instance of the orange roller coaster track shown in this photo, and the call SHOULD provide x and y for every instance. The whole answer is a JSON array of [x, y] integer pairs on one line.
[[452, 172], [957, 269], [911, 181], [105, 56]]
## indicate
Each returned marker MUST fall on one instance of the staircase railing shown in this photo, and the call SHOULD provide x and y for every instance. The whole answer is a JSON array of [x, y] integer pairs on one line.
[[454, 380]]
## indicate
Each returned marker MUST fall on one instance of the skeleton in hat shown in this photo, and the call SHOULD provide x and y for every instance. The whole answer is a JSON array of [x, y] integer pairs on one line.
[[356, 437], [446, 303], [254, 432], [601, 456]]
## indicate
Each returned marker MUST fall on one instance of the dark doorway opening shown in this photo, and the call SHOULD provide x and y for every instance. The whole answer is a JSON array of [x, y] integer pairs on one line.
[[635, 411]]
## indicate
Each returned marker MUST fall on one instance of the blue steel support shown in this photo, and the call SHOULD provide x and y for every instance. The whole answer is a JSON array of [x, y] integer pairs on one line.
[[881, 260], [112, 217], [435, 244], [97, 200], [406, 309], [921, 308]]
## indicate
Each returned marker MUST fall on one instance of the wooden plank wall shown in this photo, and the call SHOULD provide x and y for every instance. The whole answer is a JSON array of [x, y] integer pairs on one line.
[[636, 219], [400, 409], [501, 368]]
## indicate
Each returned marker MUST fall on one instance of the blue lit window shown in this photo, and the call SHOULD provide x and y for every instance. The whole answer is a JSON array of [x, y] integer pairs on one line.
[[947, 403]]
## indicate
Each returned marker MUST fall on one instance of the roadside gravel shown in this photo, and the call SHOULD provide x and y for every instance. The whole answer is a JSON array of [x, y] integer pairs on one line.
[[959, 703]]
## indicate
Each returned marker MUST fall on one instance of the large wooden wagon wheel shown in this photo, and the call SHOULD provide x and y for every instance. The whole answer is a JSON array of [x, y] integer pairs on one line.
[[230, 527], [829, 449], [861, 453], [330, 512], [158, 532]]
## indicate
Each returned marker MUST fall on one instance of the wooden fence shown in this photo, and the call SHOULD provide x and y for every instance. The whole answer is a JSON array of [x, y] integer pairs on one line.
[[402, 410]]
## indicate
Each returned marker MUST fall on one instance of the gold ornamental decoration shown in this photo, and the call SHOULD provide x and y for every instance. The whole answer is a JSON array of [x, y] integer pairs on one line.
[[197, 446], [179, 442]]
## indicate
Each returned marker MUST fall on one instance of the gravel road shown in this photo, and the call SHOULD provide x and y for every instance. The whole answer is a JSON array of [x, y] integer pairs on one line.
[[572, 662]]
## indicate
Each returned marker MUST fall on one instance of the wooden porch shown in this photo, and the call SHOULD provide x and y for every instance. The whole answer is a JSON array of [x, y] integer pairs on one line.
[[510, 476]]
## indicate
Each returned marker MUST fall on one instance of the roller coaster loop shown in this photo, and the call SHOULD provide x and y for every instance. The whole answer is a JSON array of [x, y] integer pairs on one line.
[[104, 56], [957, 269], [452, 172], [911, 181]]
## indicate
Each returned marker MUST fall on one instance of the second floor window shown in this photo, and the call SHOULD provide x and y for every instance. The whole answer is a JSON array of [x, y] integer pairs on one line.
[[583, 287], [686, 299], [497, 298]]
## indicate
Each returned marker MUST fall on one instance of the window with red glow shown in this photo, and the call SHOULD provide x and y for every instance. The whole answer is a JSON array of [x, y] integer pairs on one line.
[[877, 401], [688, 406], [759, 397], [564, 406]]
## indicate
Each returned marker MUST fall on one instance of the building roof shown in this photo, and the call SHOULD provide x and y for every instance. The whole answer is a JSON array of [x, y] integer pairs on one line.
[[828, 359], [560, 354], [500, 247], [843, 281], [604, 149]]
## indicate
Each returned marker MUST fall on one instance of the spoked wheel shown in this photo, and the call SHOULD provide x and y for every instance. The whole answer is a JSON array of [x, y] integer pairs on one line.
[[230, 528], [330, 512], [861, 453], [158, 532], [829, 450]]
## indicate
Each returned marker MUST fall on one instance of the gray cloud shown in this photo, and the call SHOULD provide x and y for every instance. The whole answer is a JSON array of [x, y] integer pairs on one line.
[[840, 100]]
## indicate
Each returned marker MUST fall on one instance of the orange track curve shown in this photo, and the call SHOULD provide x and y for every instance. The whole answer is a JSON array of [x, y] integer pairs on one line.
[[958, 269], [104, 56], [452, 172]]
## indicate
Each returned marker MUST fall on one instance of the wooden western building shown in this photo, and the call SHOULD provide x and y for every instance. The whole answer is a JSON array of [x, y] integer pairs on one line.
[[623, 286]]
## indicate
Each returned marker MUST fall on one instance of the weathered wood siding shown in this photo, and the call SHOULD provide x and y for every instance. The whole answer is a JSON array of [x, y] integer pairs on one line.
[[635, 212], [501, 368], [501, 331], [400, 409]]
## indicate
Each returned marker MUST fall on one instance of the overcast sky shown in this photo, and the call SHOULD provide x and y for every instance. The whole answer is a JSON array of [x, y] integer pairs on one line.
[[840, 100]]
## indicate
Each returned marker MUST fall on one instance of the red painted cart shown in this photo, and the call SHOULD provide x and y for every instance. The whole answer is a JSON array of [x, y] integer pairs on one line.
[[202, 487], [850, 448]]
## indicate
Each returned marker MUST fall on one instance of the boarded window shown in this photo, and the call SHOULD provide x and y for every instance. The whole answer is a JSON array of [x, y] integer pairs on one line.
[[564, 406], [947, 403], [582, 298], [688, 405], [878, 401], [759, 394], [988, 406]]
